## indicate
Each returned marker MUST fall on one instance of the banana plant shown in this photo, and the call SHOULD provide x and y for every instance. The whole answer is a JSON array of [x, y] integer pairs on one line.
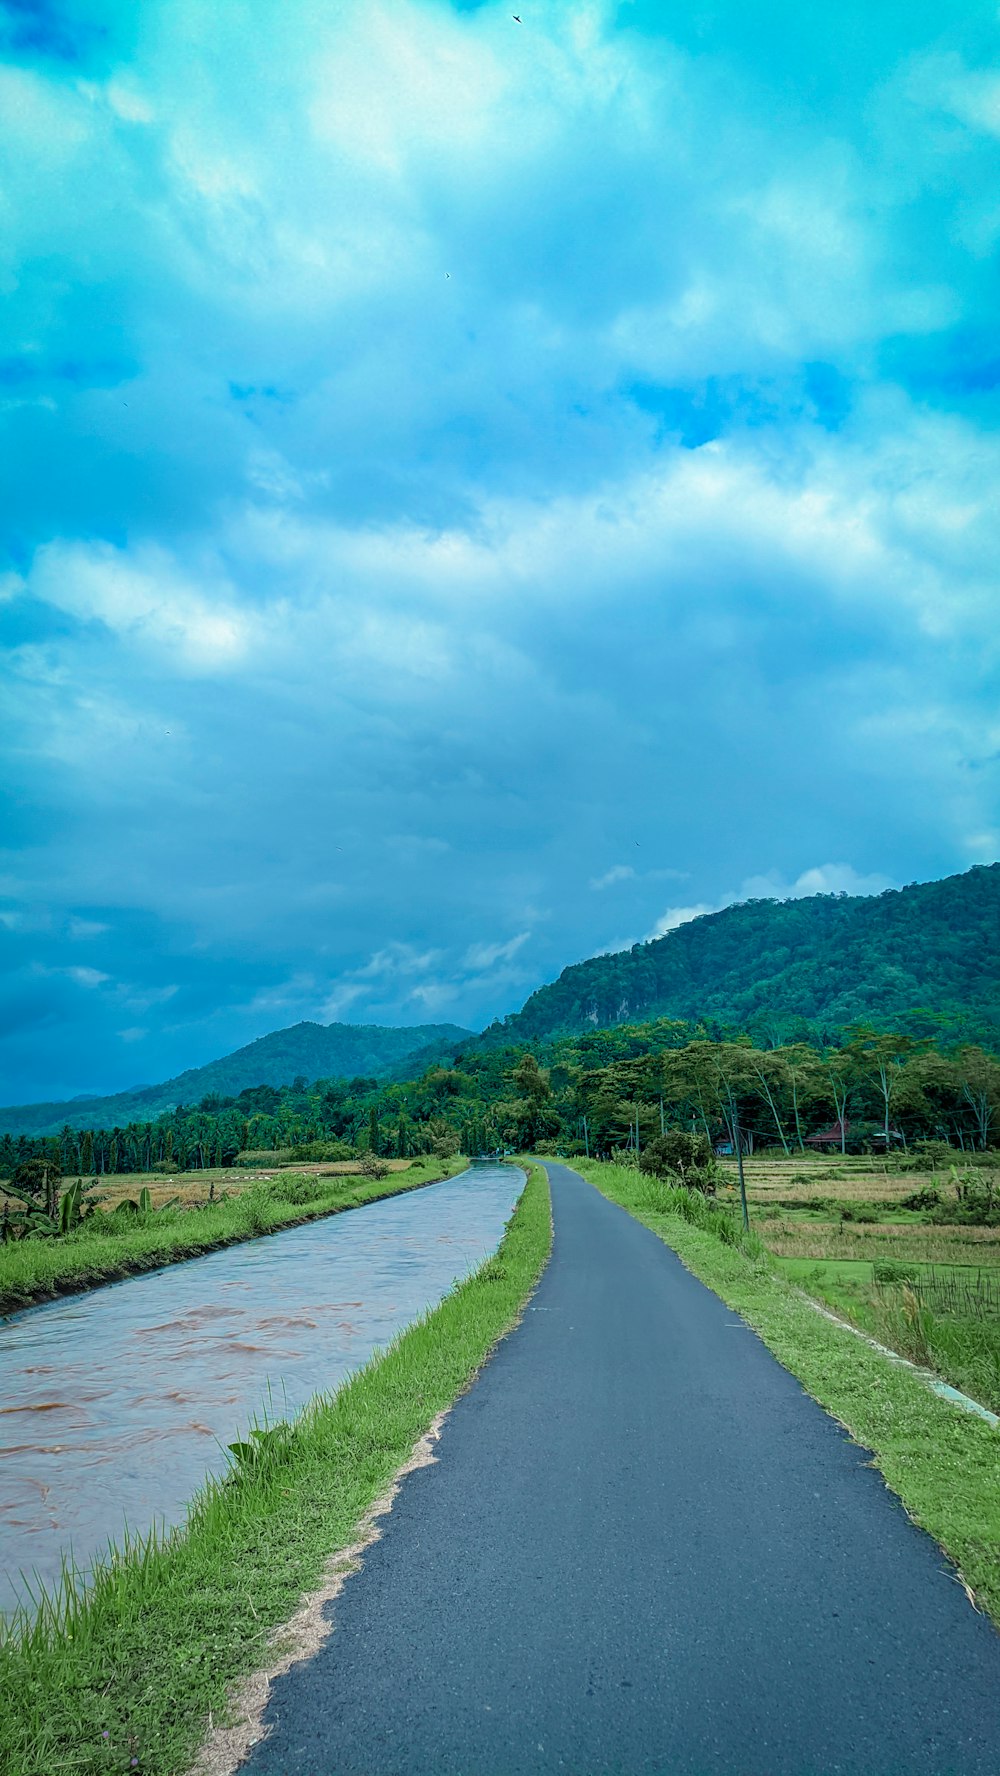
[[144, 1205], [74, 1206]]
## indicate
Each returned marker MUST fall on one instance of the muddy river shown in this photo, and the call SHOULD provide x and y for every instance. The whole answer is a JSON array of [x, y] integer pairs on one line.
[[115, 1405]]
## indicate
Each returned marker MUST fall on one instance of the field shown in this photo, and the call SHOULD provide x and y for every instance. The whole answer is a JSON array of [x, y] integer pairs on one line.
[[924, 1281], [191, 1189]]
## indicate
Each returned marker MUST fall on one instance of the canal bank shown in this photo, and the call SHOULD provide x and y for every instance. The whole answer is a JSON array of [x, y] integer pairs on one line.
[[34, 1271], [148, 1655]]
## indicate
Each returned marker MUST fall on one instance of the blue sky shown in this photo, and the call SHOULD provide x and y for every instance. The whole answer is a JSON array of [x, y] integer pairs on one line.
[[476, 493]]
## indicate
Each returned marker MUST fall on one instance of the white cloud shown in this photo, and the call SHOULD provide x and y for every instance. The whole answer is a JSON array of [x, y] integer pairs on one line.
[[83, 977], [479, 958], [144, 596], [619, 872], [824, 878], [340, 1000], [682, 915], [85, 928]]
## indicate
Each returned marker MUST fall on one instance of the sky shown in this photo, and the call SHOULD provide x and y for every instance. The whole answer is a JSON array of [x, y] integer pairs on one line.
[[477, 493]]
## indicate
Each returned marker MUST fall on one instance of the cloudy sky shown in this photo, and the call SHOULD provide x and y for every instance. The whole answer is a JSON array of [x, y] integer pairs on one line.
[[476, 493]]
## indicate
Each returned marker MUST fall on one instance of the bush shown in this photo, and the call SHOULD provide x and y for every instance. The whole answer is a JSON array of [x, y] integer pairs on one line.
[[297, 1190], [34, 1177], [445, 1145], [330, 1151], [254, 1206], [688, 1158], [862, 1212], [888, 1270], [926, 1198], [977, 1203]]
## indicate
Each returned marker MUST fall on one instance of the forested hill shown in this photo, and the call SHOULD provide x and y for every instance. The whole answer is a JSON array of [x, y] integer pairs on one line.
[[794, 968], [312, 1051]]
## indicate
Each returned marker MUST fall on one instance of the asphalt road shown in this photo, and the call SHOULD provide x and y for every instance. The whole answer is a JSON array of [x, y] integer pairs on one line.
[[643, 1549]]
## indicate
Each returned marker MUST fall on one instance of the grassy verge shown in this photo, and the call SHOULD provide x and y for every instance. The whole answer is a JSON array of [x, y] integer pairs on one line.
[[151, 1648], [942, 1463], [944, 1318], [104, 1250]]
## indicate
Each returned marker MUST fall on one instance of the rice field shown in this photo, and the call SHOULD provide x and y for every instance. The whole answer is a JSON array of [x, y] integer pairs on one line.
[[929, 1288], [192, 1189]]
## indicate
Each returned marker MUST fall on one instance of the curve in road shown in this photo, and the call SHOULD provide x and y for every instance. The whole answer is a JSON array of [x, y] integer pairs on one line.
[[643, 1549]]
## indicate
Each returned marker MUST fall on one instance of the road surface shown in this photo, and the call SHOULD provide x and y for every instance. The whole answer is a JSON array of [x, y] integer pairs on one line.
[[643, 1549]]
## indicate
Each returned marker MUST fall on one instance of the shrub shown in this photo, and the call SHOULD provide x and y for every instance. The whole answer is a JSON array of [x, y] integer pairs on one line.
[[444, 1146], [688, 1158], [888, 1270], [976, 1199], [297, 1190], [254, 1205], [863, 1212], [926, 1198], [329, 1151]]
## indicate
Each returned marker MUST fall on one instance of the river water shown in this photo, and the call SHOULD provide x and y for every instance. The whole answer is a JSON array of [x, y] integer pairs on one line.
[[115, 1405]]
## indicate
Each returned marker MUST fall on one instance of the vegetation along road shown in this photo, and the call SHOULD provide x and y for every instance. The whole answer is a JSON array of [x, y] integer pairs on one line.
[[643, 1548]]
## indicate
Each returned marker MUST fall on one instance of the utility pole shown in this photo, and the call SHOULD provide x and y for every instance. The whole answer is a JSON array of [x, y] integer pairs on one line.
[[586, 1138], [738, 1142], [637, 1134]]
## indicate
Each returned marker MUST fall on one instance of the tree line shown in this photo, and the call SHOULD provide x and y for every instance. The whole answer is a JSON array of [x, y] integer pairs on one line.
[[598, 1092]]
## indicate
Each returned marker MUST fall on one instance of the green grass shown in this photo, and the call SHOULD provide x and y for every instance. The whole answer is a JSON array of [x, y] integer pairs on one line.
[[934, 1320], [943, 1463], [154, 1644], [104, 1249]]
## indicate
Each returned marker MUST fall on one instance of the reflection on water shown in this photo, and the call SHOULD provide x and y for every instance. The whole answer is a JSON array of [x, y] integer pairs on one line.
[[115, 1405]]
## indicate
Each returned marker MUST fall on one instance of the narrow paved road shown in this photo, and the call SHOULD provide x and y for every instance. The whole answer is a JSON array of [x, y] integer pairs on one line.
[[643, 1549]]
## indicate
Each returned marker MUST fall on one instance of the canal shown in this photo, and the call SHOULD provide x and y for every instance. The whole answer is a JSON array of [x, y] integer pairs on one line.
[[115, 1405]]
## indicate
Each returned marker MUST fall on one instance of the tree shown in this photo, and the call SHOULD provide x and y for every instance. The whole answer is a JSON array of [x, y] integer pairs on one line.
[[804, 1075], [771, 1073], [877, 1057], [979, 1078], [531, 1080], [838, 1069]]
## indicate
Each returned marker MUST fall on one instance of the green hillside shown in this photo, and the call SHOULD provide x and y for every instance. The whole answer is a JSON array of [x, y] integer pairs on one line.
[[784, 968], [312, 1051]]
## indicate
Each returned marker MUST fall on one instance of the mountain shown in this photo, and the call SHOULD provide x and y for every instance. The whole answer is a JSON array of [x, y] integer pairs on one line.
[[317, 1051], [924, 958], [775, 966]]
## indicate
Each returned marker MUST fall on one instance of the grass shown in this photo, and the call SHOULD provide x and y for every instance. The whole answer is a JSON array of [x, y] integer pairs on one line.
[[942, 1463], [151, 1649], [104, 1249], [946, 1318], [839, 1229]]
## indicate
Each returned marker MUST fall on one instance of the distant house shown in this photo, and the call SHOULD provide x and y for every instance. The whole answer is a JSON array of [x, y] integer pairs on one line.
[[723, 1147], [842, 1131], [835, 1135]]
